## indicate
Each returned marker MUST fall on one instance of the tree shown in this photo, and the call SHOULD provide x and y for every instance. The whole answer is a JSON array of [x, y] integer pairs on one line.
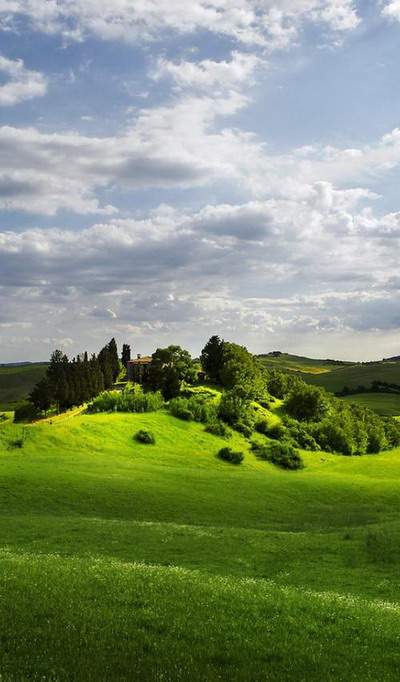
[[240, 368], [114, 360], [126, 354], [212, 357], [169, 367], [42, 395], [308, 403]]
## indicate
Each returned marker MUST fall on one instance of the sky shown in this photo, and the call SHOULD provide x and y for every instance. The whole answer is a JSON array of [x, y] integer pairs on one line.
[[172, 169]]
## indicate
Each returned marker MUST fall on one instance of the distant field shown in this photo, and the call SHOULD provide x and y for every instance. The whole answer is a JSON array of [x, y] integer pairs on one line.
[[334, 377], [16, 382], [386, 404], [299, 363], [357, 375]]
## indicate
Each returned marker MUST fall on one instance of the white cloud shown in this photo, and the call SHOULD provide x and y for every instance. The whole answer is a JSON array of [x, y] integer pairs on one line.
[[392, 10], [22, 84], [209, 74], [264, 22]]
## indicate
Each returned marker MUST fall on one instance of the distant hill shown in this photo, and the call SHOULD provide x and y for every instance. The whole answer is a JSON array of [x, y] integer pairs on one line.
[[17, 380], [334, 375]]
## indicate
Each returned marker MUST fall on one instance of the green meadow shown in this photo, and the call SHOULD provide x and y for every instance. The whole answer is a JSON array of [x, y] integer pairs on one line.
[[386, 404], [124, 561], [16, 382]]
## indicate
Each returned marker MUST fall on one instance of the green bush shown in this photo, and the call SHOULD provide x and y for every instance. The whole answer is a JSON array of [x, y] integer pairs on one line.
[[146, 437], [244, 428], [131, 399], [235, 408], [25, 412], [276, 432], [262, 426], [218, 428], [285, 456], [308, 403], [200, 407], [232, 456]]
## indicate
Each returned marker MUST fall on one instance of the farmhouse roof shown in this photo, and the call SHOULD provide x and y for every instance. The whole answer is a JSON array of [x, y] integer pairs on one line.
[[145, 360]]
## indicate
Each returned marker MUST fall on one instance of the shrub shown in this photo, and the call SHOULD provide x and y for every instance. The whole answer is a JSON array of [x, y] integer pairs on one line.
[[146, 437], [25, 412], [201, 408], [131, 399], [245, 429], [262, 426], [232, 456], [276, 432], [392, 431], [234, 408], [285, 456], [308, 403], [3, 417], [18, 443], [185, 414], [300, 434], [218, 428]]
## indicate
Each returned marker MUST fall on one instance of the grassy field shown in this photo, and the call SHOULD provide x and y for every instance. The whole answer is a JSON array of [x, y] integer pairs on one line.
[[334, 377], [126, 561], [386, 404], [299, 363], [17, 381]]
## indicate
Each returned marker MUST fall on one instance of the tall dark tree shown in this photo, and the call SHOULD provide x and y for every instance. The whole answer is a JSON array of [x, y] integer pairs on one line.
[[114, 359], [212, 357], [126, 354], [42, 395]]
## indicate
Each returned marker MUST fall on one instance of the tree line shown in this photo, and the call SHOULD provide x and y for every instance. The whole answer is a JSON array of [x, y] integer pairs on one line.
[[70, 382]]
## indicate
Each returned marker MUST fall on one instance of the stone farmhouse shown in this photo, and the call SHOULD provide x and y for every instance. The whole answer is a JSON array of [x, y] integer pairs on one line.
[[138, 369]]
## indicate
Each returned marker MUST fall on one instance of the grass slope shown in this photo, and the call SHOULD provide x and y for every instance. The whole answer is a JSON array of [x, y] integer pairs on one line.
[[16, 382], [334, 377], [126, 561], [386, 404]]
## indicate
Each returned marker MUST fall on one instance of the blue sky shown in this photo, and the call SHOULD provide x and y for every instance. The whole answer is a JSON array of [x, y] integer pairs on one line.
[[173, 169]]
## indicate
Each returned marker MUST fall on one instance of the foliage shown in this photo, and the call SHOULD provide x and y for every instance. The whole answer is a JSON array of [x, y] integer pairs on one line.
[[146, 437], [280, 384], [307, 403], [218, 428], [285, 456], [212, 358], [198, 407], [241, 368], [128, 400], [235, 407], [25, 412], [169, 368], [125, 355], [232, 456]]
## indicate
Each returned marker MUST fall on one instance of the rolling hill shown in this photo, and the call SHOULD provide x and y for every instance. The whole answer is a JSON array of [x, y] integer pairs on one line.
[[17, 380], [335, 375], [129, 561]]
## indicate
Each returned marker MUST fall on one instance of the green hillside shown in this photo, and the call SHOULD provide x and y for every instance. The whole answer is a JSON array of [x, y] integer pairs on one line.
[[386, 404], [129, 561], [335, 375], [16, 382], [298, 363]]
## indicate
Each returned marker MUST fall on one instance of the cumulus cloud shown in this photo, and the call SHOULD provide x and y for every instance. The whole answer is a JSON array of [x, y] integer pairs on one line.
[[209, 74], [22, 84], [392, 10], [267, 23]]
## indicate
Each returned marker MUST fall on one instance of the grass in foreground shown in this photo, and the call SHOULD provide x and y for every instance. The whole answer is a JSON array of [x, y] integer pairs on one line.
[[97, 620], [82, 503]]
